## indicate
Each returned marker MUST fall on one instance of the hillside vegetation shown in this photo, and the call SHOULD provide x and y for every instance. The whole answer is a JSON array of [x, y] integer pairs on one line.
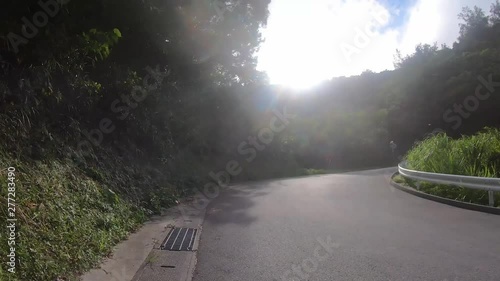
[[477, 155], [112, 110]]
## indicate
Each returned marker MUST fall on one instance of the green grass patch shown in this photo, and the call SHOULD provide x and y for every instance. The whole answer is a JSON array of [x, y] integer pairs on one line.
[[310, 172], [399, 179], [477, 155], [71, 214], [66, 220]]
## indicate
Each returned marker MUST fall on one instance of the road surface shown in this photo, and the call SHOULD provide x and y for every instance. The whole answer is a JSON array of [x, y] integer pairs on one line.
[[351, 226]]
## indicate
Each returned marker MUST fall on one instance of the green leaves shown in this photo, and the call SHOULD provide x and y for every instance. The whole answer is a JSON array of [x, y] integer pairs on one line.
[[477, 155], [117, 32], [97, 44]]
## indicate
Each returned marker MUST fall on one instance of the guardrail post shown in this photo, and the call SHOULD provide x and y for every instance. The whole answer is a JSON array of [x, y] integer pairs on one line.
[[491, 197]]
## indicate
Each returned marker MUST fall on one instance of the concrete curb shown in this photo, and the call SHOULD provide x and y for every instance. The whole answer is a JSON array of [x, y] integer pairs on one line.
[[451, 202], [130, 257]]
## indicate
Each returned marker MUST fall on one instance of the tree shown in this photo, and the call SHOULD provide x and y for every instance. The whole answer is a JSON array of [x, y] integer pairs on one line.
[[495, 13], [475, 24]]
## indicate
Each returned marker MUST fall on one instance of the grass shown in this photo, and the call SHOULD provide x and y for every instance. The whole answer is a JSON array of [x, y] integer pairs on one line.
[[66, 220], [399, 179], [477, 155], [310, 172], [70, 214]]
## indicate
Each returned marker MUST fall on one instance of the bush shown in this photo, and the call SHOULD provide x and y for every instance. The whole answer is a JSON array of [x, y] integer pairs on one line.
[[477, 155]]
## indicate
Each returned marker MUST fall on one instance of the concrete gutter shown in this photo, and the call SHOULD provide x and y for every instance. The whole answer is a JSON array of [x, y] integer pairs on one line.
[[451, 202], [139, 258]]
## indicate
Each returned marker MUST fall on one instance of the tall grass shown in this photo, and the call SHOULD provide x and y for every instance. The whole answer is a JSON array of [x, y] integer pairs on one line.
[[477, 155], [70, 214]]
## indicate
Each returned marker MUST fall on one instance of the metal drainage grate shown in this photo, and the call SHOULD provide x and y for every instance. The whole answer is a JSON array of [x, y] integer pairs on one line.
[[179, 239]]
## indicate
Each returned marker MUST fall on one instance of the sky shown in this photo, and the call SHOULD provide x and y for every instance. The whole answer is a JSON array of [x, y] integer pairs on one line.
[[307, 42]]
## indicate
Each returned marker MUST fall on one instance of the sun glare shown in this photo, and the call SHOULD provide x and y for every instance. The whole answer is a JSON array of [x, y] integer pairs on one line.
[[301, 66], [299, 49], [296, 77], [306, 44]]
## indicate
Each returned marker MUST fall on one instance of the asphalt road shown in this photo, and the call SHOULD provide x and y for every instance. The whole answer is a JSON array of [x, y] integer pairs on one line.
[[351, 226]]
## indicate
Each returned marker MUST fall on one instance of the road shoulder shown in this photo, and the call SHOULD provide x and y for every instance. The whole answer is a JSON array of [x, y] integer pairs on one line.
[[455, 203], [139, 256]]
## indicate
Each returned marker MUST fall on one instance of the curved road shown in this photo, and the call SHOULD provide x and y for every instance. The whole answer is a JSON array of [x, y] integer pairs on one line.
[[351, 226]]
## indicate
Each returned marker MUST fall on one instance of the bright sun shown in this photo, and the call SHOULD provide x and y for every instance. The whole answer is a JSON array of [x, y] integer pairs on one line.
[[297, 75], [305, 43], [299, 68], [297, 52]]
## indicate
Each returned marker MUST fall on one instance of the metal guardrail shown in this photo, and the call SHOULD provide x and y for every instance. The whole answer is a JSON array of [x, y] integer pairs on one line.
[[489, 184]]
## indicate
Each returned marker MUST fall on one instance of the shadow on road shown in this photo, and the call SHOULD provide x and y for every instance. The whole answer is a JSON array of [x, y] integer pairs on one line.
[[232, 204]]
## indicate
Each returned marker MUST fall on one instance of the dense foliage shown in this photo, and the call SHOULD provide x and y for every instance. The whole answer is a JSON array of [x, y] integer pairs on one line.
[[477, 155], [110, 110]]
